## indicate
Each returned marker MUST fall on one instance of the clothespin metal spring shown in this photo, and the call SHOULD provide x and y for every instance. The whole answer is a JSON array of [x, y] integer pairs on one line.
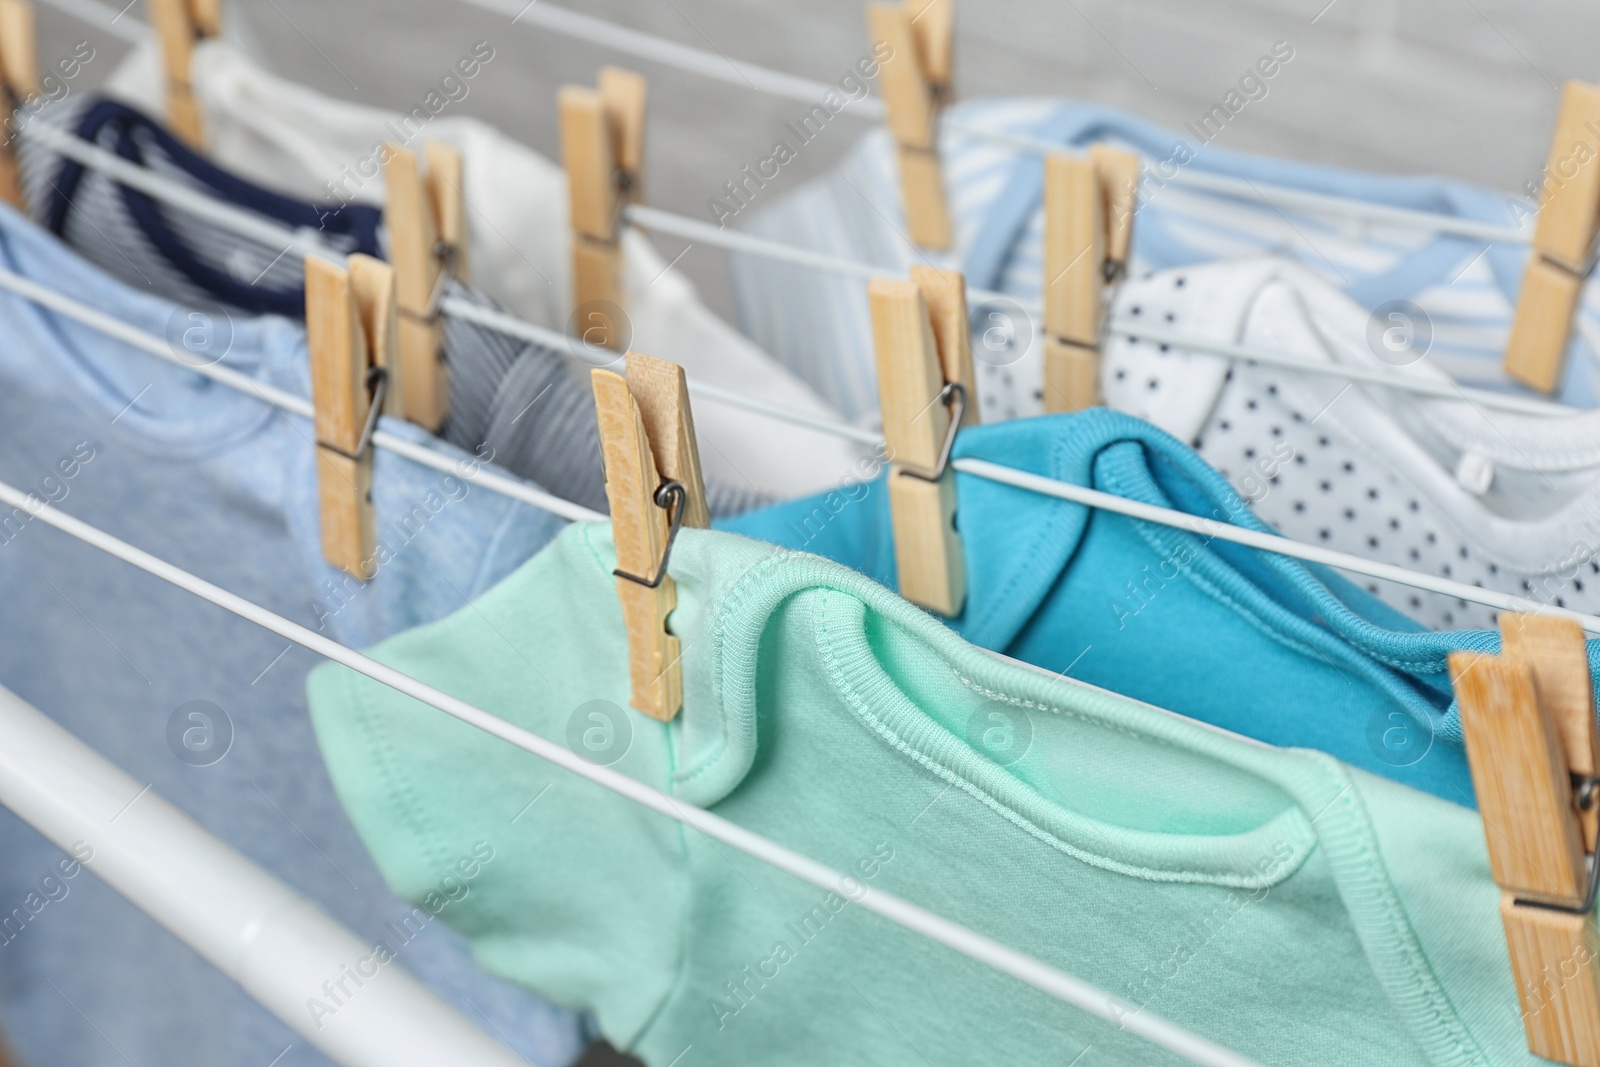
[[377, 387], [673, 497], [446, 253], [954, 397], [1586, 789]]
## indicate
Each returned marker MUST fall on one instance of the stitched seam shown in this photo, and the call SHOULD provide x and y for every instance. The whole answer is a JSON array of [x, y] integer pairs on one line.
[[1456, 527], [1255, 618], [730, 603], [1354, 657], [402, 795], [1412, 663], [681, 973], [1248, 613], [733, 603], [1020, 702], [1409, 954], [1416, 662]]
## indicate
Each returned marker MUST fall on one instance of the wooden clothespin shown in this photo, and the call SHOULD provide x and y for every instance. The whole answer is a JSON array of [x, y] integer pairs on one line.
[[180, 25], [426, 222], [654, 486], [351, 328], [19, 73], [915, 79], [1528, 717], [602, 149], [1088, 232], [1563, 244], [927, 390]]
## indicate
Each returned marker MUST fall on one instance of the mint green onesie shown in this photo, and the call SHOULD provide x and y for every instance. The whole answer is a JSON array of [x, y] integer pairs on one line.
[[1272, 900]]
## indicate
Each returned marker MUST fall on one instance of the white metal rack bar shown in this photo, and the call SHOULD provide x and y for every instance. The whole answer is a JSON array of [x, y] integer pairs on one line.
[[279, 946]]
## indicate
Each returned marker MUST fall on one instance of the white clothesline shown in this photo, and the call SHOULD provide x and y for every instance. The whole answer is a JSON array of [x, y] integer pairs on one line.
[[649, 218], [985, 950], [1283, 546], [306, 242], [228, 215], [1128, 326], [719, 67], [710, 65], [566, 344], [111, 326], [273, 233], [518, 490]]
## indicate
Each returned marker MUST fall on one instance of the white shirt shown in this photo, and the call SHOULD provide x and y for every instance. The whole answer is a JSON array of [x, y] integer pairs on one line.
[[1507, 501], [297, 140]]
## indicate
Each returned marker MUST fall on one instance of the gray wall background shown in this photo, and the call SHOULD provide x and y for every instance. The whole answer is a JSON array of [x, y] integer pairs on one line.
[[1465, 88]]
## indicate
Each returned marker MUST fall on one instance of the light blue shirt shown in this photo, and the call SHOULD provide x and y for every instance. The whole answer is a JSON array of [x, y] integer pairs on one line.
[[223, 485]]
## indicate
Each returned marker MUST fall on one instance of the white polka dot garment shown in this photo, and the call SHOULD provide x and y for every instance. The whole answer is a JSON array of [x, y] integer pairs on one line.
[[1504, 501]]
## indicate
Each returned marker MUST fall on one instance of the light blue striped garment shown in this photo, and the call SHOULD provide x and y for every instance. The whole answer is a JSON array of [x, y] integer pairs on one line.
[[818, 323]]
